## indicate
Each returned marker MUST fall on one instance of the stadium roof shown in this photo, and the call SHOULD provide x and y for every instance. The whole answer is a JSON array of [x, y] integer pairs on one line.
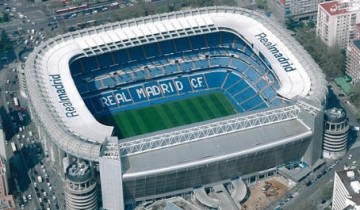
[[218, 148], [62, 111]]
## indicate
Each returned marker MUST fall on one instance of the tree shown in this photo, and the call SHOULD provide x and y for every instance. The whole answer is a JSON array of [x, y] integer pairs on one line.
[[355, 97], [261, 4], [5, 18], [332, 60], [291, 24], [6, 44]]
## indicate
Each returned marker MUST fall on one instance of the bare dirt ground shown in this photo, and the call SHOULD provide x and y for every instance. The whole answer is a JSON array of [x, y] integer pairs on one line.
[[258, 200]]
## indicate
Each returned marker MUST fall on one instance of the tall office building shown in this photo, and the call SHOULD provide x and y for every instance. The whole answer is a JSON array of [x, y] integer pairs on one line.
[[6, 200], [4, 186], [298, 10], [80, 189], [346, 193], [336, 21], [353, 61], [336, 131]]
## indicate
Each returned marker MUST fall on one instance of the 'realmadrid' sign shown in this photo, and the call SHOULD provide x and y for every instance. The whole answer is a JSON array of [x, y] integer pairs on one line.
[[285, 62]]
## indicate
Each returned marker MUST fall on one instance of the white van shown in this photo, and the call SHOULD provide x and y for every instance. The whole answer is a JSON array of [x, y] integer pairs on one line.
[[24, 198]]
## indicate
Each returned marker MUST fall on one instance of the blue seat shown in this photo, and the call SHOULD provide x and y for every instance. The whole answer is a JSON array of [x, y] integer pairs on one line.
[[121, 56], [91, 87], [82, 88], [227, 39], [167, 47], [105, 60], [186, 66], [238, 87], [197, 42], [182, 44], [157, 71], [124, 78], [261, 84], [136, 53], [109, 81], [272, 79], [151, 50], [76, 68], [248, 51], [239, 44], [215, 79], [213, 40], [170, 69], [152, 68], [251, 103], [215, 52], [89, 64], [239, 65], [261, 69], [139, 75], [269, 93], [98, 84], [93, 104], [231, 79], [246, 94], [223, 61], [219, 61], [78, 78], [252, 74], [201, 64]]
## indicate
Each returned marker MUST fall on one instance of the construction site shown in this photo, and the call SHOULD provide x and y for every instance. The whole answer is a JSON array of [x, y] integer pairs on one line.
[[266, 192]]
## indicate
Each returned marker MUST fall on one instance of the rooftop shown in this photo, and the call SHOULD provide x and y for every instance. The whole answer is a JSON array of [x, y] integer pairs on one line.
[[229, 145], [350, 179], [334, 7], [357, 43]]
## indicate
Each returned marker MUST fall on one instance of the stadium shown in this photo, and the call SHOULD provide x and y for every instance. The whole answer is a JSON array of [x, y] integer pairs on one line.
[[165, 104]]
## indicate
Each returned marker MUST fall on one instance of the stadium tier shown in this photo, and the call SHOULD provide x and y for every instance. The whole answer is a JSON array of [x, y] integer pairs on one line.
[[167, 103]]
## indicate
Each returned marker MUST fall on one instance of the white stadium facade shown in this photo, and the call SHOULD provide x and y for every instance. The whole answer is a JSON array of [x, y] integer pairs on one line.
[[175, 161]]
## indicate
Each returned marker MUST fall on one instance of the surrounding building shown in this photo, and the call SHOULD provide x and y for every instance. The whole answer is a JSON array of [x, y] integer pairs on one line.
[[336, 131], [297, 10], [4, 186], [3, 154], [69, 75], [346, 191], [7, 203], [336, 22], [6, 200], [80, 189], [353, 61]]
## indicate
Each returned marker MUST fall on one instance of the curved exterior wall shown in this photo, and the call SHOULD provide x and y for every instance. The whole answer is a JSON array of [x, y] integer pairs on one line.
[[81, 198], [81, 191], [22, 81], [336, 131]]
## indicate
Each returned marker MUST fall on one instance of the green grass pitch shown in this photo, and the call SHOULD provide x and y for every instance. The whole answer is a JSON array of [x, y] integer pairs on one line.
[[171, 114]]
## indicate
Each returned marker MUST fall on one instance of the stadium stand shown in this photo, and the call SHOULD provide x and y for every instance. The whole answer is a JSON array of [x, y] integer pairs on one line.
[[166, 70]]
